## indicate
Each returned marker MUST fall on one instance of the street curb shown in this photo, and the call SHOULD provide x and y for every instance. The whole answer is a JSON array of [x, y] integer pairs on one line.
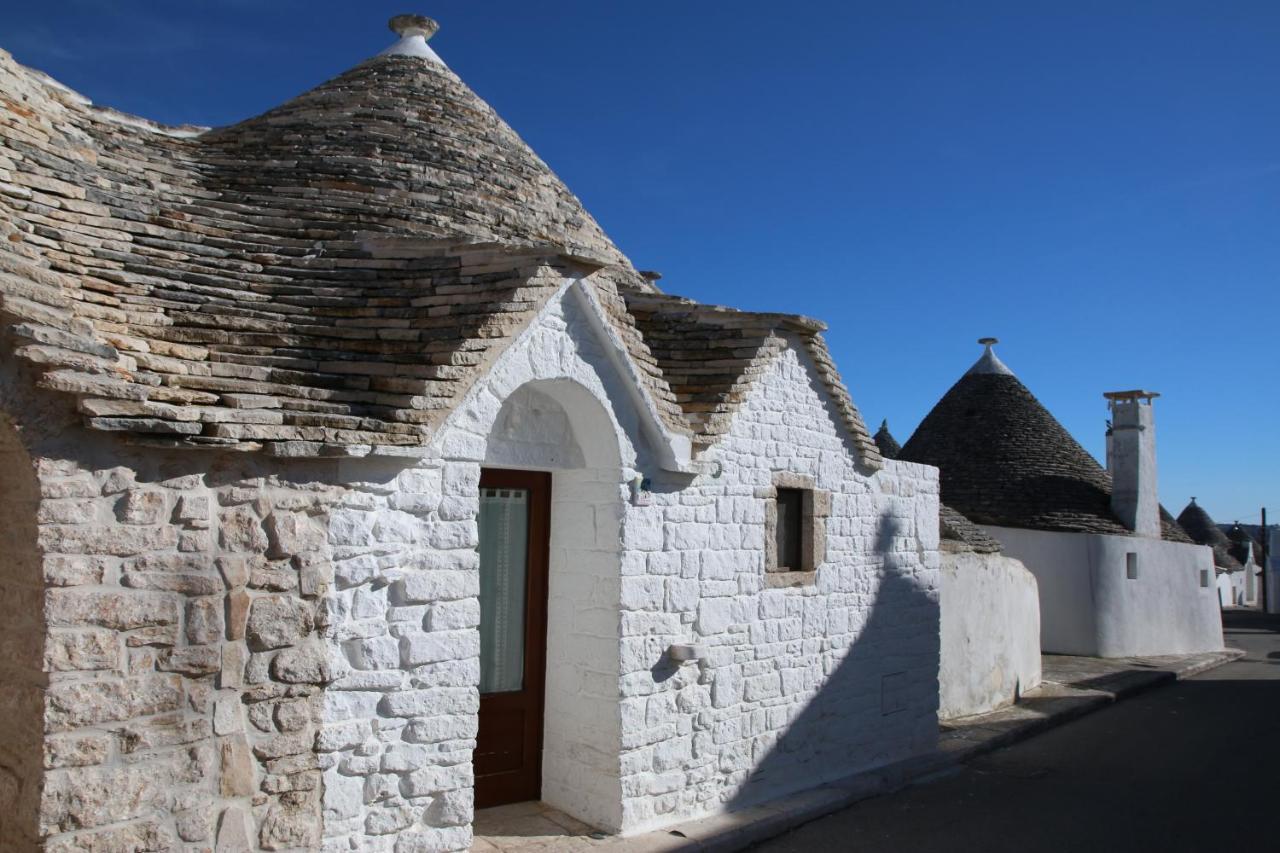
[[737, 830]]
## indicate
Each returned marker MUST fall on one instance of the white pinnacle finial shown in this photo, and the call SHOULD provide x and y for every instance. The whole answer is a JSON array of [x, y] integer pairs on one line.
[[414, 30], [990, 363]]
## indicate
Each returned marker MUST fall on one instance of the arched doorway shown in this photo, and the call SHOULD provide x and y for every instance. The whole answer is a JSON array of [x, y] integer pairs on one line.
[[550, 520]]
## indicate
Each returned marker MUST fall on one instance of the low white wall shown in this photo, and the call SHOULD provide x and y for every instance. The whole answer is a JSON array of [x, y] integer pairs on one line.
[[1230, 588], [1090, 606], [990, 633]]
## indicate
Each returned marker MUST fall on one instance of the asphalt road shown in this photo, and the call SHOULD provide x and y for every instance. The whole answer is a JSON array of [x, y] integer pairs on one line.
[[1192, 766]]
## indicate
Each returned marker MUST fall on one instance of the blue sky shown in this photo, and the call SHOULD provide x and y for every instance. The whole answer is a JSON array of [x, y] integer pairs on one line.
[[1095, 183]]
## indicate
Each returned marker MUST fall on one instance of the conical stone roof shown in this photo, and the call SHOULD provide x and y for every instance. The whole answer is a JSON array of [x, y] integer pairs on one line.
[[1243, 545], [1005, 460], [889, 447], [402, 140], [1203, 531], [328, 278]]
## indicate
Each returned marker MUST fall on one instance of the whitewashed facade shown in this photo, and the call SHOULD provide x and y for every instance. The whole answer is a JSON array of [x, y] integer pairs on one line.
[[243, 430]]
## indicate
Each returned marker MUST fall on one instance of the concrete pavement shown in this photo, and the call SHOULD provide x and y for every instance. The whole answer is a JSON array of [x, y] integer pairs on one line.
[[1193, 766]]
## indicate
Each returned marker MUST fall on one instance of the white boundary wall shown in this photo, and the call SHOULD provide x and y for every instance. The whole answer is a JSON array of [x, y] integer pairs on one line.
[[990, 633], [1090, 606]]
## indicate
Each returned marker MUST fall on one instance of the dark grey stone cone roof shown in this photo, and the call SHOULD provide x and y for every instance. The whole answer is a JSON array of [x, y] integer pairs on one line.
[[1006, 461], [1201, 528]]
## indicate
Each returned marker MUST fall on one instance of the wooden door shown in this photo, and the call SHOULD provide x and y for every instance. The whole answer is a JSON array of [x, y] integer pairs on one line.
[[515, 514]]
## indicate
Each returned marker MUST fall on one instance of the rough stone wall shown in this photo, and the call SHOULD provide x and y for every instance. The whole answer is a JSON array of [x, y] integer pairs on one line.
[[182, 600], [21, 646], [800, 684]]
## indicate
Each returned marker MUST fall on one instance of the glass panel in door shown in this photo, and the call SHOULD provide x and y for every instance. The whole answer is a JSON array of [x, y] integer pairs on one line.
[[504, 542]]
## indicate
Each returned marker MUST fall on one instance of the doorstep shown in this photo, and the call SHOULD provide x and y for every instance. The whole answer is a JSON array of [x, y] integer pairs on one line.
[[1072, 686]]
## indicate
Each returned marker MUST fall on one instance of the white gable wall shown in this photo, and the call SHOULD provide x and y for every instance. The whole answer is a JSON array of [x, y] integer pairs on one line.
[[800, 685]]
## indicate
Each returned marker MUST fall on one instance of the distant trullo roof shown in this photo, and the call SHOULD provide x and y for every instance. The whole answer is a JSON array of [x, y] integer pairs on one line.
[[1242, 543], [889, 447], [1201, 528], [1006, 461], [329, 276]]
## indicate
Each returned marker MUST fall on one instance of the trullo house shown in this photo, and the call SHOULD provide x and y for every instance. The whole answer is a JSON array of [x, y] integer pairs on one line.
[[354, 480], [1116, 575]]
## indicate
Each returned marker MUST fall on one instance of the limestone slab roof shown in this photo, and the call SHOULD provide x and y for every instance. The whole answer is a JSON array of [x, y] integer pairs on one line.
[[1203, 531], [710, 355], [1005, 460], [330, 275], [955, 528]]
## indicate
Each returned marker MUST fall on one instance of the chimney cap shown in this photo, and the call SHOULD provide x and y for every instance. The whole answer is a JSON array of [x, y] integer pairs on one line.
[[413, 30], [1136, 394], [413, 25], [989, 362]]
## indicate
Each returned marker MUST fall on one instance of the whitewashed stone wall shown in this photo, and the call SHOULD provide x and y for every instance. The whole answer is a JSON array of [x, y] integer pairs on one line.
[[253, 653], [803, 684], [401, 724]]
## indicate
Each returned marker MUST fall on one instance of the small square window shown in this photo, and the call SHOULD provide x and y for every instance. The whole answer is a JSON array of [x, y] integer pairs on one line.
[[1131, 566], [789, 533], [1204, 578], [795, 542]]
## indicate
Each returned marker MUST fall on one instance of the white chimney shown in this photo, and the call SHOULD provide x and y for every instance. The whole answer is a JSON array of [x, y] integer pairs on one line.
[[1131, 459]]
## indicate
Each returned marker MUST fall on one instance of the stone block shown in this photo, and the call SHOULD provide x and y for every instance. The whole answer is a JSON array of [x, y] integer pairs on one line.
[[235, 571], [235, 834], [239, 529], [235, 657], [427, 587], [194, 511], [72, 704], [387, 820], [417, 649], [238, 769], [290, 533], [77, 750], [85, 798], [142, 506], [204, 620], [429, 703], [291, 824], [276, 621], [121, 611], [374, 653], [237, 609], [194, 661], [109, 539], [715, 615], [226, 715], [145, 836], [305, 664], [292, 716], [62, 570], [92, 649]]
